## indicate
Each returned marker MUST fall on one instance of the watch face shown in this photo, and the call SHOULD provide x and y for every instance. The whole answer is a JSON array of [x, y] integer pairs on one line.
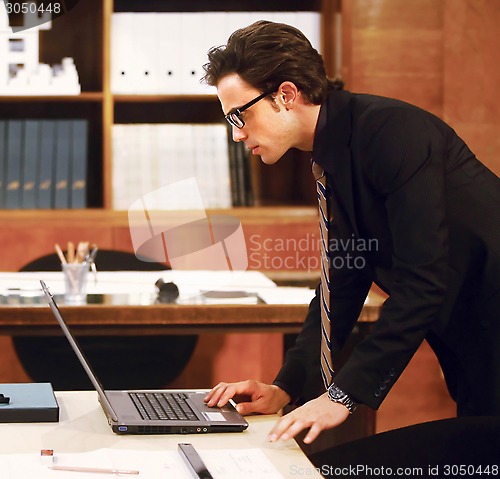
[[335, 393]]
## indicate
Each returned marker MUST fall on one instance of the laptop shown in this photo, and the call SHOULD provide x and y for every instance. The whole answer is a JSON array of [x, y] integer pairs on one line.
[[158, 411]]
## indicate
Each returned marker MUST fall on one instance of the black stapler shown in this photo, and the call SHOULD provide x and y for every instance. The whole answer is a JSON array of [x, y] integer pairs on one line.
[[167, 292]]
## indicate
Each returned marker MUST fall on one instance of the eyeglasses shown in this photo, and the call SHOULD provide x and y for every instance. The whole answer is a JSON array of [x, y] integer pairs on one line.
[[235, 118]]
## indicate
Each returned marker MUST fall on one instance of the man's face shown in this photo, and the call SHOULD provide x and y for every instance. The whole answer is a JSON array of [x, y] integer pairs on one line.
[[267, 131]]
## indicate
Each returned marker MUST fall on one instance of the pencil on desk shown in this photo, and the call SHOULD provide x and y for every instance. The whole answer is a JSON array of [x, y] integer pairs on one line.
[[93, 469]]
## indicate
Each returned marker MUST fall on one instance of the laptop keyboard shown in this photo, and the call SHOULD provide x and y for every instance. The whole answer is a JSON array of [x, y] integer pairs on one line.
[[163, 406]]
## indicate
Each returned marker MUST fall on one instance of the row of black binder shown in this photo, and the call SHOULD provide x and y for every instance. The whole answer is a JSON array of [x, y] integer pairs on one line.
[[43, 163]]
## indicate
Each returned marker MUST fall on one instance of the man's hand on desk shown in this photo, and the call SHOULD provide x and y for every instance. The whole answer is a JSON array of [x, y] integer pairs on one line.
[[263, 398], [318, 415]]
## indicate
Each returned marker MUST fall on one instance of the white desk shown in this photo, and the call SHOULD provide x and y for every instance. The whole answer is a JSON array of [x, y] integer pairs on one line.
[[83, 429]]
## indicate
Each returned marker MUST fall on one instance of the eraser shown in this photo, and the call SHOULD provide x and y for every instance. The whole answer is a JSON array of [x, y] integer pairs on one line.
[[47, 457]]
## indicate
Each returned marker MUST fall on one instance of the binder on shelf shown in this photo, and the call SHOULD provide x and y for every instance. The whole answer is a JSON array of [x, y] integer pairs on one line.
[[239, 172], [176, 162], [119, 171], [194, 53], [146, 27], [237, 20], [13, 174], [125, 53], [29, 402], [43, 163], [62, 164], [119, 36], [218, 28], [169, 30], [220, 177], [233, 175], [127, 155], [30, 163], [3, 161], [245, 175], [309, 23], [45, 177], [78, 193], [147, 181]]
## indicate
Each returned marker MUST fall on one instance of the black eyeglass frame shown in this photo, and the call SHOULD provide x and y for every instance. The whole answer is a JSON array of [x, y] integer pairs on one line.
[[236, 113]]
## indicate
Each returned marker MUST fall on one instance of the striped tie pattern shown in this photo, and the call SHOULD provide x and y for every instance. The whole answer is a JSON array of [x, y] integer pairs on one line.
[[326, 356]]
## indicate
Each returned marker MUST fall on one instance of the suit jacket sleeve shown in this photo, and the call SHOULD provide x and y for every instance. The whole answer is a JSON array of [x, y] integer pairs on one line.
[[402, 154]]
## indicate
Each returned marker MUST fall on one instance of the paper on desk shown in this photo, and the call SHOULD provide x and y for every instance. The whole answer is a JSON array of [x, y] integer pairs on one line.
[[134, 282], [239, 463], [286, 295], [222, 463]]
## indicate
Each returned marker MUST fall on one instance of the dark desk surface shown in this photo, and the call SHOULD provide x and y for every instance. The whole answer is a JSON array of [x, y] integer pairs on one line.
[[112, 315]]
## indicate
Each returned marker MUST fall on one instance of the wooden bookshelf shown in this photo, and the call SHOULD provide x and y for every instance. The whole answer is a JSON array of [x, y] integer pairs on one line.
[[84, 33]]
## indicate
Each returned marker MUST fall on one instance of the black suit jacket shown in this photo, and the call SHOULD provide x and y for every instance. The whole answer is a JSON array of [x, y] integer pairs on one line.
[[413, 211]]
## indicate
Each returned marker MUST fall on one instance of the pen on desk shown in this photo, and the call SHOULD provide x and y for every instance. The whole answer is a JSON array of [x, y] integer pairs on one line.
[[194, 461], [98, 470]]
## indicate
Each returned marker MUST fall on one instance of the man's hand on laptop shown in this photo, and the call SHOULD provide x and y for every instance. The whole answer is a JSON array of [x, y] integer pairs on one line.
[[251, 396]]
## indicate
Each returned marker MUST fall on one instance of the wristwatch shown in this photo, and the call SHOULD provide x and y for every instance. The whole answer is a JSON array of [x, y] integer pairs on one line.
[[336, 394]]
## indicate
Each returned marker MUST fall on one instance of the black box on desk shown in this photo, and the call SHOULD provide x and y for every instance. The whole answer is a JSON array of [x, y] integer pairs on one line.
[[29, 402]]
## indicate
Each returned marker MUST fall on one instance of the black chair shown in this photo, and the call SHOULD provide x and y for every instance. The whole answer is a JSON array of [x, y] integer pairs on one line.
[[463, 446], [120, 362]]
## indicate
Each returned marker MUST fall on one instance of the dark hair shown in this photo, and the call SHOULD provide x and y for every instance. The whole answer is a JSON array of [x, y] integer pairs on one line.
[[265, 54]]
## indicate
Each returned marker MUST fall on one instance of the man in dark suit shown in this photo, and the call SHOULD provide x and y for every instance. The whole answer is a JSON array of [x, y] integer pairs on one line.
[[410, 208]]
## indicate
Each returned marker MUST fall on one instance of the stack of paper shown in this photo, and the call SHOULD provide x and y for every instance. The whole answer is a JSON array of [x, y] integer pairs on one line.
[[149, 156]]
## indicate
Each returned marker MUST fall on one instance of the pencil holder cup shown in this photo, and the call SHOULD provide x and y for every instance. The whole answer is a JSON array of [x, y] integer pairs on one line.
[[75, 282]]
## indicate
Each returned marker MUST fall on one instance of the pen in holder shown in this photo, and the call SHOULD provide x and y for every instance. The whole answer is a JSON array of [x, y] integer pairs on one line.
[[75, 267]]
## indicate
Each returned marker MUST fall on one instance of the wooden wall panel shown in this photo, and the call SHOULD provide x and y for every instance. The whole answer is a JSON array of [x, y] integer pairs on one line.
[[26, 244], [397, 14], [394, 48], [472, 75], [441, 55]]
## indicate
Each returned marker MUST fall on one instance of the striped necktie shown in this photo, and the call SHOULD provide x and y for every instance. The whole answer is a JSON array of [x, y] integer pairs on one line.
[[326, 353]]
